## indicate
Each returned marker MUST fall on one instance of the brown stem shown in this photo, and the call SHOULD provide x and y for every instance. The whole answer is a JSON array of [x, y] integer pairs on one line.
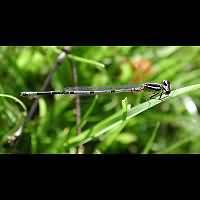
[[77, 104], [60, 59], [12, 140]]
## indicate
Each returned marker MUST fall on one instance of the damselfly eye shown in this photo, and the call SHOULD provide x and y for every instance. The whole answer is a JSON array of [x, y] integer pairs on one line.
[[165, 82], [166, 86]]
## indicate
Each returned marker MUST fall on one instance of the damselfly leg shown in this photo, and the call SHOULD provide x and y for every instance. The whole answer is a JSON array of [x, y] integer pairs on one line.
[[154, 95]]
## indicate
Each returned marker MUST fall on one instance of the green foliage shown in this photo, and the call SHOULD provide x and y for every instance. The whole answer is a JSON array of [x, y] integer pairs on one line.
[[124, 123]]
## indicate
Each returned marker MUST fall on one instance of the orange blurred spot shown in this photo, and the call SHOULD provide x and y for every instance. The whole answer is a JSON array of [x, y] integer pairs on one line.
[[142, 68]]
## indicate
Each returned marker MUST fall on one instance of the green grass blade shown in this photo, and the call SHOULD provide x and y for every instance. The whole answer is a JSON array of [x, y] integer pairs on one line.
[[16, 100], [17, 129], [177, 145], [151, 140], [116, 119], [89, 111], [113, 133], [84, 60]]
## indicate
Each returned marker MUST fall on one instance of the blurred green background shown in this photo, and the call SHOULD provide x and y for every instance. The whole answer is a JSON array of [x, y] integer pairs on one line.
[[170, 127]]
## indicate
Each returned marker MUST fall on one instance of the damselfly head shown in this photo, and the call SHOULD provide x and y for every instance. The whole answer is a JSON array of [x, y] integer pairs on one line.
[[166, 86]]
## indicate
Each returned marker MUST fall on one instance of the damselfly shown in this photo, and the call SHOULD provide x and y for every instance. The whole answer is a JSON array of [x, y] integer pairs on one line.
[[158, 89]]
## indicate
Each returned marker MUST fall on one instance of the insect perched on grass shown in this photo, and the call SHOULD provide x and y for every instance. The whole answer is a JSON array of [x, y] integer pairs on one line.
[[158, 89]]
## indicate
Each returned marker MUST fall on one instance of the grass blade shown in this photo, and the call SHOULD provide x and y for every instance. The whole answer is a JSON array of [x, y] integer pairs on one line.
[[16, 100], [84, 60], [151, 140], [177, 145], [116, 119]]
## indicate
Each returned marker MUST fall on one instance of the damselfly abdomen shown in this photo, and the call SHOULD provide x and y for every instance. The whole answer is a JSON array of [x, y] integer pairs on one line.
[[158, 89]]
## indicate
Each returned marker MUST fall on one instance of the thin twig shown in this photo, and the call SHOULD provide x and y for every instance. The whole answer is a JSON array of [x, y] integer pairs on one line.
[[77, 104], [60, 59], [12, 140]]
